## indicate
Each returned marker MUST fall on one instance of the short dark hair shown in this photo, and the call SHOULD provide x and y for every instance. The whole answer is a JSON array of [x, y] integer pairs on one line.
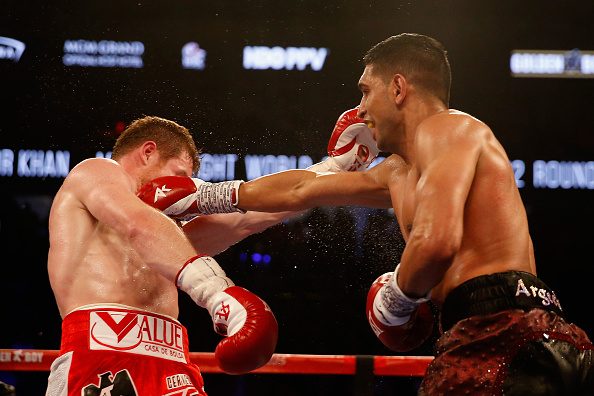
[[420, 59], [171, 139]]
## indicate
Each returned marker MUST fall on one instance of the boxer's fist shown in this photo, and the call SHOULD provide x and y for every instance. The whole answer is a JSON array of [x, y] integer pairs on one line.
[[250, 327], [182, 198], [243, 317], [399, 333], [351, 147]]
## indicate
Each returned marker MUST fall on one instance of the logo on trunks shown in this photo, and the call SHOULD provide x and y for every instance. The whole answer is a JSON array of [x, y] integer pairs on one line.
[[178, 380], [181, 381], [185, 392], [120, 385], [136, 333], [547, 298]]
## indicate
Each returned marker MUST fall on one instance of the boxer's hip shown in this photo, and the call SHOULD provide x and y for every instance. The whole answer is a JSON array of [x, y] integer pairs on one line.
[[124, 330], [491, 324], [123, 350], [490, 294]]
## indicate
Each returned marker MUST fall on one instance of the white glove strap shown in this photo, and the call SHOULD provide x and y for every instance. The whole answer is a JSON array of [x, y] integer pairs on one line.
[[220, 197], [326, 167], [228, 315], [391, 306], [202, 278]]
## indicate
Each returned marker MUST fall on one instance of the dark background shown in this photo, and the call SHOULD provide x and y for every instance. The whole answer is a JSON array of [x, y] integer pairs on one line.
[[323, 262]]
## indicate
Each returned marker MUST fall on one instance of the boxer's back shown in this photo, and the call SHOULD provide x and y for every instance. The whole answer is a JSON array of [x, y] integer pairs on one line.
[[89, 263]]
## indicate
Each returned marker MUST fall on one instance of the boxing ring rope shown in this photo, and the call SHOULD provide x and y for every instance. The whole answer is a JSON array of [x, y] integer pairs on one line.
[[413, 366]]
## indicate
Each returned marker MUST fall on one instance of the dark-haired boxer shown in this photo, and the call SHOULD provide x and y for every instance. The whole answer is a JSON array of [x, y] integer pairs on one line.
[[468, 247]]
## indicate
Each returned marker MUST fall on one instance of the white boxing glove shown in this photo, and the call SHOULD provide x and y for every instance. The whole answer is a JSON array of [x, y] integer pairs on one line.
[[352, 147]]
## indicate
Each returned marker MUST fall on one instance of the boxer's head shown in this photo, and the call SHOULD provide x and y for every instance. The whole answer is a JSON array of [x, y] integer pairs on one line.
[[420, 59], [171, 139]]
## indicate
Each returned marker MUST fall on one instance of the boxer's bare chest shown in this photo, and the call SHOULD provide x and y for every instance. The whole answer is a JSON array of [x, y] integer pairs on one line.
[[120, 264]]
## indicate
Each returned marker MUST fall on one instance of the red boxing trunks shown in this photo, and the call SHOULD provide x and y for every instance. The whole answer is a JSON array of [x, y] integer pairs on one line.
[[504, 334], [117, 350]]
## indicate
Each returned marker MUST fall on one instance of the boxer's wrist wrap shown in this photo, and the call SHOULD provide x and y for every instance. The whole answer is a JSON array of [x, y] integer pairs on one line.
[[220, 197], [202, 278], [392, 306]]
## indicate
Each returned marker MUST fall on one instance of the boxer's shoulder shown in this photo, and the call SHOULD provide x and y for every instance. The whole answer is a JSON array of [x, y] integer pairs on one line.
[[96, 169], [451, 124], [393, 161], [95, 165], [393, 167], [95, 173]]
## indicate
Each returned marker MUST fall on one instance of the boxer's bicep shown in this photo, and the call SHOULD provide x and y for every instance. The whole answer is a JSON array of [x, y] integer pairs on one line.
[[117, 208], [447, 166], [106, 193]]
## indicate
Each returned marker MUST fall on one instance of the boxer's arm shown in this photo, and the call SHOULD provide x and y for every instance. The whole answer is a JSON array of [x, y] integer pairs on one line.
[[447, 154], [532, 260], [351, 148], [215, 233], [301, 189], [106, 192], [251, 330]]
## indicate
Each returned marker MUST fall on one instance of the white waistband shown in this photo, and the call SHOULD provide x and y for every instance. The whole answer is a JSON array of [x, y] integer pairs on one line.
[[91, 307]]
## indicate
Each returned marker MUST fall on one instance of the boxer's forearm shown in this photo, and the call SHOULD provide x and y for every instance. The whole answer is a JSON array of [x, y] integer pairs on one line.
[[281, 191], [425, 259], [299, 190]]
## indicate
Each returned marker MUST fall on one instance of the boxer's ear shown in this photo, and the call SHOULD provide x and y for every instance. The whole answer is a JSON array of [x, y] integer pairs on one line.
[[397, 88], [147, 150]]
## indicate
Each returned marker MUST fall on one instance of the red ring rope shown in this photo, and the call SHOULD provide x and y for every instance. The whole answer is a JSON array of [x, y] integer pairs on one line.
[[281, 363]]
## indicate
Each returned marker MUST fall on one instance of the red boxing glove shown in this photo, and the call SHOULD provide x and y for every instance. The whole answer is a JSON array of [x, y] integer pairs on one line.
[[243, 317], [407, 329], [351, 147], [250, 327], [183, 197]]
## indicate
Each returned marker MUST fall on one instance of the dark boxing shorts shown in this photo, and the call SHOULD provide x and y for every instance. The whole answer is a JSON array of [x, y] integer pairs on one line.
[[116, 350], [505, 334]]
